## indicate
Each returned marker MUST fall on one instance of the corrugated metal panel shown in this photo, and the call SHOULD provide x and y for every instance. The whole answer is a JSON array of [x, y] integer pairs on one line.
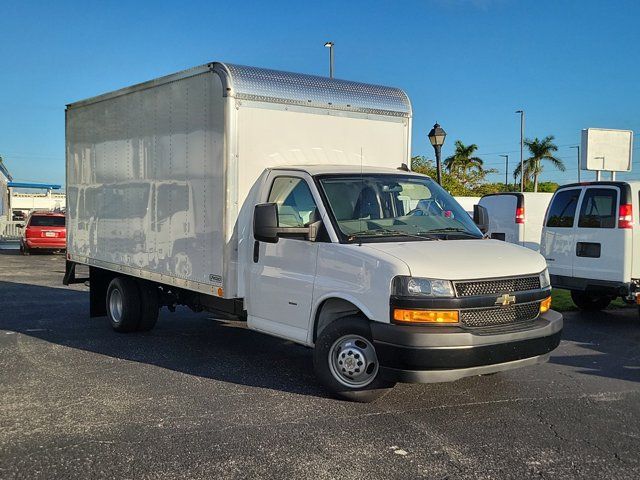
[[263, 84]]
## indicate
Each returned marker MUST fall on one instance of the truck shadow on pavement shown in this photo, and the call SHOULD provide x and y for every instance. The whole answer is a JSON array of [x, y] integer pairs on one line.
[[186, 342], [602, 343]]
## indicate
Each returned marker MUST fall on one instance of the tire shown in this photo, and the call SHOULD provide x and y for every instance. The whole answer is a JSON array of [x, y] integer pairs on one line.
[[349, 338], [149, 306], [591, 302], [123, 304]]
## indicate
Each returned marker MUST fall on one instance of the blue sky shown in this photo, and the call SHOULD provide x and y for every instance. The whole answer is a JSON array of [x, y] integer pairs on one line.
[[469, 64]]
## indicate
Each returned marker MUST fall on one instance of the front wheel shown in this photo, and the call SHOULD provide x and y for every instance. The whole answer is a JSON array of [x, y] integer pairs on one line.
[[345, 361], [591, 302]]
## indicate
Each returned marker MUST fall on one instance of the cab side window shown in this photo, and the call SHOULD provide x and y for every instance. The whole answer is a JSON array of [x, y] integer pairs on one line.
[[598, 208], [296, 207], [563, 209]]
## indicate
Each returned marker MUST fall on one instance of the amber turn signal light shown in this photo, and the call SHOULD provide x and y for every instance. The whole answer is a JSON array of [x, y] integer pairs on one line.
[[425, 316], [545, 305]]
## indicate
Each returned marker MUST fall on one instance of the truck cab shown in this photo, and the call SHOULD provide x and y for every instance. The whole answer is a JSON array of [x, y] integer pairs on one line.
[[403, 266], [589, 238]]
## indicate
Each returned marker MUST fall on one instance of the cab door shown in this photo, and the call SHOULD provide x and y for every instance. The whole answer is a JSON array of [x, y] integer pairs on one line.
[[557, 243], [282, 274]]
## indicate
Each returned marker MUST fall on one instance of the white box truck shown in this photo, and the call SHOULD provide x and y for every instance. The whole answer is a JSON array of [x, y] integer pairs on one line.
[[277, 197], [516, 217]]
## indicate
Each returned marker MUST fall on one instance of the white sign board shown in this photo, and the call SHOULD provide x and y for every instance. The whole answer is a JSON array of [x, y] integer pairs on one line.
[[606, 149]]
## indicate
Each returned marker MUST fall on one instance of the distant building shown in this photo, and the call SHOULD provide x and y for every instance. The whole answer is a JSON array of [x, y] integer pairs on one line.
[[26, 202], [5, 178]]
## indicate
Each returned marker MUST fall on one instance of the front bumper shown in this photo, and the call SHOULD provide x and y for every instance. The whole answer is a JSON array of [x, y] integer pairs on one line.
[[427, 354]]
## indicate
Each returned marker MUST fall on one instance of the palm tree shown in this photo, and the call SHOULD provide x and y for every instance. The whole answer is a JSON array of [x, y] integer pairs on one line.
[[540, 150], [462, 162]]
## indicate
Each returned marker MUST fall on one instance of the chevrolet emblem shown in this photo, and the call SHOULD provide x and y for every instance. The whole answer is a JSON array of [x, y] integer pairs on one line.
[[505, 300]]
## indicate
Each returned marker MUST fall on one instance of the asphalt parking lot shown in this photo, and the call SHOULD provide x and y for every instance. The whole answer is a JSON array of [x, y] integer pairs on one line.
[[198, 398]]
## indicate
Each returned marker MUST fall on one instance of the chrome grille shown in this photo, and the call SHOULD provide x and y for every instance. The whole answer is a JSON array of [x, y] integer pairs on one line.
[[493, 316], [500, 285]]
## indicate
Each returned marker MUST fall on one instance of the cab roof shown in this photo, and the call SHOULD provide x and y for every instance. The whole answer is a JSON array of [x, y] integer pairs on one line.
[[325, 169]]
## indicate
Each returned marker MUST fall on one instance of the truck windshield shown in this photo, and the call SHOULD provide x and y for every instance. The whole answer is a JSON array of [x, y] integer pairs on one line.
[[385, 207]]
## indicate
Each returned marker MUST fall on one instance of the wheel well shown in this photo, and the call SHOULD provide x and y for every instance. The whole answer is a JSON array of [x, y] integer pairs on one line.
[[331, 310]]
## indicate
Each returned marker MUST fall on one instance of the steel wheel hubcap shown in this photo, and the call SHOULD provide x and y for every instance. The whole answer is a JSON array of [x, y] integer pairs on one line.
[[353, 361], [115, 305]]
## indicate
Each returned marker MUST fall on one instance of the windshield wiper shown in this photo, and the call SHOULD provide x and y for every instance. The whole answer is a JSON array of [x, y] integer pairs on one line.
[[451, 230], [386, 231]]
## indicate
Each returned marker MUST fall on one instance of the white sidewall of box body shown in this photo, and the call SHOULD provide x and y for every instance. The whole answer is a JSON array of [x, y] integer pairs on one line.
[[144, 175]]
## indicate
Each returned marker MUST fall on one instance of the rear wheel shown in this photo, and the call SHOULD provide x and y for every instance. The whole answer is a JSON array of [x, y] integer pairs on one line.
[[591, 301], [346, 362], [123, 304]]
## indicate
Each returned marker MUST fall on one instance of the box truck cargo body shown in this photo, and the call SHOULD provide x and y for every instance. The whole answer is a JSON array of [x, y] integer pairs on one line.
[[172, 161], [284, 199]]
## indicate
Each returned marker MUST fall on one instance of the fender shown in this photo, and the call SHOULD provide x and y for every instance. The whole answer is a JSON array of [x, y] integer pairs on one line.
[[338, 296]]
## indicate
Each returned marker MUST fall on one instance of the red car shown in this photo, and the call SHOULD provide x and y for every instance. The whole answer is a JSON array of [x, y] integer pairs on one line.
[[44, 231]]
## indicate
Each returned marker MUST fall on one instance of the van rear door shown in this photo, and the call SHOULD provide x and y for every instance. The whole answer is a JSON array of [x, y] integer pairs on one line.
[[502, 217], [600, 249], [557, 244]]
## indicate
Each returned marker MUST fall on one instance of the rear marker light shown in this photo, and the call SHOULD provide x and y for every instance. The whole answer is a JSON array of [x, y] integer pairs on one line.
[[520, 215], [625, 218]]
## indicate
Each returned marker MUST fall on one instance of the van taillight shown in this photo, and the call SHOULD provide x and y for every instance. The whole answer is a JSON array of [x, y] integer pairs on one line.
[[625, 219], [520, 215]]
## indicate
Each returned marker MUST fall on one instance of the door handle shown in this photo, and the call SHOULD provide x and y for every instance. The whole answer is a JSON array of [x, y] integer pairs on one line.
[[256, 251]]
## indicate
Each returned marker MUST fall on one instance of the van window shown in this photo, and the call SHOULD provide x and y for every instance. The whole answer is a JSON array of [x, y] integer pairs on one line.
[[598, 208], [563, 209], [296, 206]]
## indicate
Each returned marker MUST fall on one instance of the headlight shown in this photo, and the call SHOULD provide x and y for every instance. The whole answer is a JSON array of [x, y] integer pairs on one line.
[[545, 282], [422, 287]]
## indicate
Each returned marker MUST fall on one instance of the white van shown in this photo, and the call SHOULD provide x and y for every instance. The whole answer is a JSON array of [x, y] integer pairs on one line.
[[285, 206], [516, 217], [589, 240]]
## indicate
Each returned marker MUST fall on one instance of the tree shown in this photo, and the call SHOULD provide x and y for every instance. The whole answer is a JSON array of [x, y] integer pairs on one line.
[[540, 150], [463, 165], [426, 166]]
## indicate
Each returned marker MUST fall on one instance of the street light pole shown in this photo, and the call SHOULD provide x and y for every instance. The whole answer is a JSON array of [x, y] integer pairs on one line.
[[330, 45], [521, 112], [436, 137], [506, 171], [578, 147]]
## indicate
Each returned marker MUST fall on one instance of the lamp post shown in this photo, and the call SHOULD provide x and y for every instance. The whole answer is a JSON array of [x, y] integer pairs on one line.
[[521, 112], [506, 171], [578, 147], [330, 45], [436, 137]]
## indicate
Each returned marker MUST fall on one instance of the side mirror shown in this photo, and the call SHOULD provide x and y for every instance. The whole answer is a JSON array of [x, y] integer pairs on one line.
[[265, 222], [266, 227], [481, 218]]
